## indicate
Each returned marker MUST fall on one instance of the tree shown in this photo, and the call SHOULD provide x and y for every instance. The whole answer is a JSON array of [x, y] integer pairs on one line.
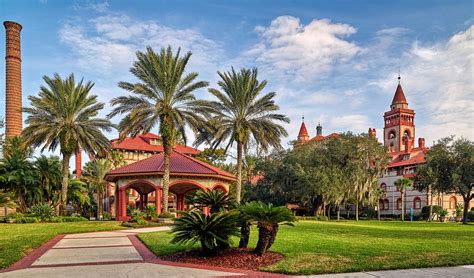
[[94, 176], [450, 168], [17, 174], [214, 157], [164, 96], [242, 112], [65, 114], [49, 174], [424, 181], [402, 185], [216, 200], [268, 218], [78, 196]]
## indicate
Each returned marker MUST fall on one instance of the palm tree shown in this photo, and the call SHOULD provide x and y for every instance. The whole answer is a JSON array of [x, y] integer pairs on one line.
[[94, 175], [402, 184], [216, 200], [163, 96], [65, 114], [243, 112], [6, 201], [268, 218], [48, 173]]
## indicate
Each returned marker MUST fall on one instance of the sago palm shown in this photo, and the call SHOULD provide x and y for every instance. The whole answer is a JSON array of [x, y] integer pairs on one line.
[[268, 218], [216, 200], [163, 97], [402, 184], [213, 231], [65, 115], [243, 111], [94, 175]]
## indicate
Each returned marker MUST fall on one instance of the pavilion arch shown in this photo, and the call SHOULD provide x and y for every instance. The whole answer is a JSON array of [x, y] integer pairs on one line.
[[141, 186], [220, 187]]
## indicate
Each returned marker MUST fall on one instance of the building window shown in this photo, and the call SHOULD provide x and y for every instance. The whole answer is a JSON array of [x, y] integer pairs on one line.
[[406, 133], [386, 205], [452, 202], [399, 203], [392, 134], [384, 187], [417, 203]]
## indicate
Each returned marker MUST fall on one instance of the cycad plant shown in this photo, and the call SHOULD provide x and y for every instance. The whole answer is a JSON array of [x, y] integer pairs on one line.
[[402, 184], [243, 112], [268, 218], [163, 97], [65, 115], [213, 231], [215, 200]]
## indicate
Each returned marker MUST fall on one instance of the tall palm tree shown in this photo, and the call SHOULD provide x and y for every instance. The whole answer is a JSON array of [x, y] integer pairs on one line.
[[242, 112], [402, 184], [164, 97], [94, 175], [65, 114]]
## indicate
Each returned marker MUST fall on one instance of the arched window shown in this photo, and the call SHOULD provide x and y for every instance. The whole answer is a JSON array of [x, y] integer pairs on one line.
[[386, 204], [399, 203], [452, 202], [392, 134], [381, 204], [406, 133], [383, 186], [417, 203]]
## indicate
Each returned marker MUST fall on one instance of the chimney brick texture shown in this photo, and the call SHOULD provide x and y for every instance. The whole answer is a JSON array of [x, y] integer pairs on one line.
[[13, 116]]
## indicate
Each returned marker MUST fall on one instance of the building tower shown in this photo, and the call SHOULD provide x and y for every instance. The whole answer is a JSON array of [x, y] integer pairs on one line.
[[303, 135], [319, 130], [399, 128], [13, 117]]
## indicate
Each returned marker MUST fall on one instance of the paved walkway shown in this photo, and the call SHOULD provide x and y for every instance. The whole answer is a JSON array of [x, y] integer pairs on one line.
[[121, 254], [102, 254]]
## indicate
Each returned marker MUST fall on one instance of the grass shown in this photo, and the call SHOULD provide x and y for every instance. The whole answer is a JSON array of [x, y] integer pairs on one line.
[[312, 247], [16, 240]]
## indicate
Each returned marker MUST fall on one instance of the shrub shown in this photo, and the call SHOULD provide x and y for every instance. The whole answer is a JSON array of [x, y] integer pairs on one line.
[[165, 215], [73, 218], [42, 211], [150, 211], [443, 212], [106, 216], [213, 231], [314, 218], [425, 211], [15, 215], [27, 219], [138, 215], [142, 222]]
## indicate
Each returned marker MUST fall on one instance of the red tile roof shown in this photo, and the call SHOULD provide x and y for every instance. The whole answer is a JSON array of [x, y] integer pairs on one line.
[[142, 143], [399, 96], [417, 156], [303, 131], [180, 164], [320, 137]]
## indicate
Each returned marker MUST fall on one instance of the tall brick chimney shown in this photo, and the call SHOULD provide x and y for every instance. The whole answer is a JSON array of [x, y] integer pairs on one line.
[[13, 117], [79, 163]]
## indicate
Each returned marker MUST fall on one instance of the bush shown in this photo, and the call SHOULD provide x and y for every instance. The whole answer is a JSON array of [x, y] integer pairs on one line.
[[106, 216], [138, 215], [314, 218], [165, 215], [42, 211], [470, 215], [425, 211], [15, 215], [150, 211], [27, 219]]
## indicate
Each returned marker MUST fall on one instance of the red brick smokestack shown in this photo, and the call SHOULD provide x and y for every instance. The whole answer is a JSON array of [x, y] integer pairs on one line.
[[79, 163], [13, 117]]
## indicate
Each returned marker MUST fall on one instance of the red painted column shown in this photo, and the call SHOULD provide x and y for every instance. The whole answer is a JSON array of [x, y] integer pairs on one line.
[[157, 201], [182, 202], [79, 163], [141, 201], [117, 199], [145, 200], [123, 212]]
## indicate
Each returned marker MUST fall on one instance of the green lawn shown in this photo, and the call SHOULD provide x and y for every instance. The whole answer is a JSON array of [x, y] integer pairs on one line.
[[327, 247], [17, 239]]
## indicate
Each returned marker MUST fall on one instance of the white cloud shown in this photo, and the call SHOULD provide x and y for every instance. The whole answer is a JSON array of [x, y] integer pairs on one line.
[[356, 123], [290, 49]]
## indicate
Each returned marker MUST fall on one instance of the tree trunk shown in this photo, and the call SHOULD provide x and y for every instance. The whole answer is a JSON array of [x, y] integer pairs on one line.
[[329, 212], [264, 234], [403, 205], [21, 203], [465, 212], [357, 211], [430, 216], [273, 236], [244, 235], [317, 205], [338, 213], [99, 205], [167, 148], [65, 183], [378, 212], [238, 183]]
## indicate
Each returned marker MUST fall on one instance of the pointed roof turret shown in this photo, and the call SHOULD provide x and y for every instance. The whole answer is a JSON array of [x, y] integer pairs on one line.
[[303, 134], [399, 99]]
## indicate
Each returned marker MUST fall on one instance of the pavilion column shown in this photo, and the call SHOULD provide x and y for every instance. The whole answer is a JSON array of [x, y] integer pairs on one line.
[[123, 208], [145, 200], [142, 200], [158, 200], [178, 202], [117, 199], [182, 202]]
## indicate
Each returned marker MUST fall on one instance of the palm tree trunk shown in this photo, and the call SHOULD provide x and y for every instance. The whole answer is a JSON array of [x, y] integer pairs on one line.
[[378, 212], [244, 235], [403, 205], [264, 234], [273, 235], [357, 211], [338, 213], [238, 183], [166, 175], [64, 183], [431, 204]]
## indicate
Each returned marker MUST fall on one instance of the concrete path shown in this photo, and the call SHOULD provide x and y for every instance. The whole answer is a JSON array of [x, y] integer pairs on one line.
[[466, 271], [102, 254]]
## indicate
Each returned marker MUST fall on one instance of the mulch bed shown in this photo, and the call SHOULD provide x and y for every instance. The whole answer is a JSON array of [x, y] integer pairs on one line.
[[241, 258]]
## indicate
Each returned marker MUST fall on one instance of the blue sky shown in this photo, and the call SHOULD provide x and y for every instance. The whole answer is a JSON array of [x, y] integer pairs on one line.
[[335, 61]]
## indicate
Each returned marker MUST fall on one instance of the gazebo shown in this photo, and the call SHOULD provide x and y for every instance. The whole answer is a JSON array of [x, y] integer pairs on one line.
[[187, 174]]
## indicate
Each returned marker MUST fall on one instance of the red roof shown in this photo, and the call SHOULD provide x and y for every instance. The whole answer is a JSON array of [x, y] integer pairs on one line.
[[320, 137], [142, 142], [399, 96], [303, 131], [180, 164], [417, 156]]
